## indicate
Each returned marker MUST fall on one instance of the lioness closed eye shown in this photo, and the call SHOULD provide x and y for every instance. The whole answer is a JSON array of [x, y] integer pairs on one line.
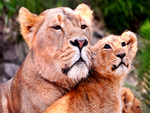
[[101, 92], [59, 57]]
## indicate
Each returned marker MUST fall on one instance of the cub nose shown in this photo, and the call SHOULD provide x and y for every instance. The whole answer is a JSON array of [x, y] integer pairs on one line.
[[79, 43], [121, 55]]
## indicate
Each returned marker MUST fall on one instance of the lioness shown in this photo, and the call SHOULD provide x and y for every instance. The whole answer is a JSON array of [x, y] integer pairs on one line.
[[101, 92], [130, 103], [59, 57]]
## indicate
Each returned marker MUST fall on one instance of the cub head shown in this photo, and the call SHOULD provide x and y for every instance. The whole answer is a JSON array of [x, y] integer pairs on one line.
[[59, 41], [113, 55]]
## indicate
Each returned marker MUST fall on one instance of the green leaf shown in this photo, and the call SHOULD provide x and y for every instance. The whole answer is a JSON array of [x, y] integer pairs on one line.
[[10, 8], [1, 6]]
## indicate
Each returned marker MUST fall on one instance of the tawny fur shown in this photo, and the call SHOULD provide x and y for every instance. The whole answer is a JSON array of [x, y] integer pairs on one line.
[[53, 65], [130, 103], [101, 91]]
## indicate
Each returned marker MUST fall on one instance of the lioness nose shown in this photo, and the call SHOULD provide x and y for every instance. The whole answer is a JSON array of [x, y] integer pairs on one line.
[[79, 43], [121, 55]]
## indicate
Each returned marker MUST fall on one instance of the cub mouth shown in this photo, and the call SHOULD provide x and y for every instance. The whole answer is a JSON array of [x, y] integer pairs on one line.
[[121, 63], [66, 69]]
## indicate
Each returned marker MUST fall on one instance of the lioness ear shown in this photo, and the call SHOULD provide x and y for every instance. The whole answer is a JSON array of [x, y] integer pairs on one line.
[[27, 21], [131, 40], [85, 12]]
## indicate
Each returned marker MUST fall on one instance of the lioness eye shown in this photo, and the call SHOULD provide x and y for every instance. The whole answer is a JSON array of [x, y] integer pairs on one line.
[[57, 27], [107, 46], [123, 44], [83, 26]]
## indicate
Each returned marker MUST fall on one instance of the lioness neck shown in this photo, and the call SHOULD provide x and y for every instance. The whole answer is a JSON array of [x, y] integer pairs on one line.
[[29, 81]]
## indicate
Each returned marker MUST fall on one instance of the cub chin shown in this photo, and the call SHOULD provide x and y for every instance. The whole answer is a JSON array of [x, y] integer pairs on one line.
[[101, 91]]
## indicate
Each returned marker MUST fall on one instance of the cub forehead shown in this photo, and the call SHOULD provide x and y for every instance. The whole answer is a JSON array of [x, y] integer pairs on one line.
[[112, 40]]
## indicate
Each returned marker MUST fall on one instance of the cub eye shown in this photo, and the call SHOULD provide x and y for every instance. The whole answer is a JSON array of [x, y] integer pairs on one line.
[[107, 46], [57, 27], [83, 26], [123, 44]]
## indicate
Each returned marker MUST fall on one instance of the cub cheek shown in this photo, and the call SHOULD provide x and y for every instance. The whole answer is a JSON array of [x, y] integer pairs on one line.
[[106, 59], [130, 55], [102, 56]]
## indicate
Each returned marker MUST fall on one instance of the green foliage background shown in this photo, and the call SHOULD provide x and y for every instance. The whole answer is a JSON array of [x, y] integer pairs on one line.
[[144, 64], [120, 15], [10, 7]]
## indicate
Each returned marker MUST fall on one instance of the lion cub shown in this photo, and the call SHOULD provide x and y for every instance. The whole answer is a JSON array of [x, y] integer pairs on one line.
[[101, 91]]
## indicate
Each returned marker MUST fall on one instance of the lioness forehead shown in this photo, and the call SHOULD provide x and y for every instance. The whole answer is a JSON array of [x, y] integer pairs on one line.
[[61, 10]]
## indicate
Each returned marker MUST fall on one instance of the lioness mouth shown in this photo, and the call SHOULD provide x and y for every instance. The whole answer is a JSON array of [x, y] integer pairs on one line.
[[115, 67], [66, 69]]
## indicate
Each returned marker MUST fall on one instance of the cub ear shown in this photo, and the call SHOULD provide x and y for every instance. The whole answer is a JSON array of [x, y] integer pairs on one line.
[[95, 49], [85, 12], [131, 41], [27, 21]]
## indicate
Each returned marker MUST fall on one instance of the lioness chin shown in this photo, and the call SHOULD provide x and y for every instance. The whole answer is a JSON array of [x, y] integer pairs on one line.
[[59, 57], [101, 91]]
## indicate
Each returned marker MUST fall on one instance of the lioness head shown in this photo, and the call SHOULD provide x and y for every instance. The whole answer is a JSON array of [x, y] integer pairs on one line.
[[113, 54], [59, 41]]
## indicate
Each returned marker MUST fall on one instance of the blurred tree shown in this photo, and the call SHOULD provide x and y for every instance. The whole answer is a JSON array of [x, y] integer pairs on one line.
[[35, 6], [144, 62], [9, 8], [120, 15]]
